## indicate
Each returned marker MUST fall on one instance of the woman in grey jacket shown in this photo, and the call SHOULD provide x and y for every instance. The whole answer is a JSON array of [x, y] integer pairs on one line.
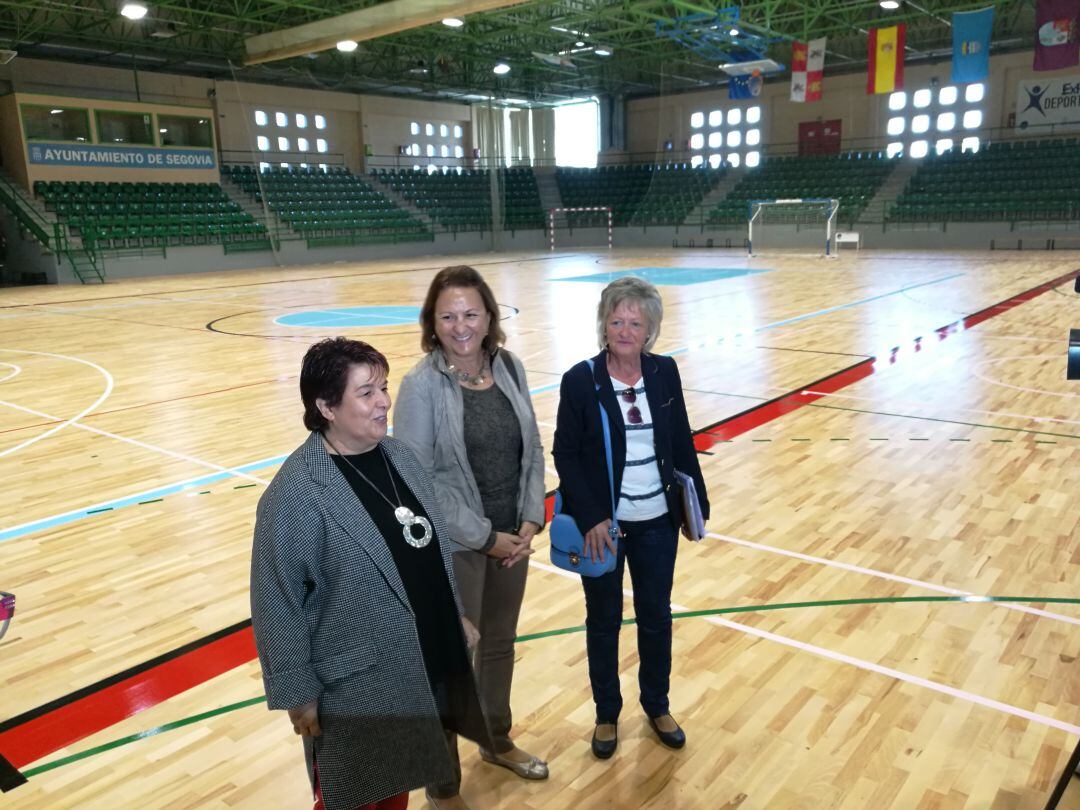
[[465, 411]]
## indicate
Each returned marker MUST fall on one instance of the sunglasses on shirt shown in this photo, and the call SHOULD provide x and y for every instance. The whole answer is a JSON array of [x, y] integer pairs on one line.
[[633, 415]]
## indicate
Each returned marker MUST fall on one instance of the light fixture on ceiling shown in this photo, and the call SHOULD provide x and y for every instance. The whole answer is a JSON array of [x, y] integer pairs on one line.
[[889, 5], [55, 112], [165, 31], [500, 69], [734, 32], [453, 22], [579, 44], [347, 46], [603, 50], [419, 69], [133, 11]]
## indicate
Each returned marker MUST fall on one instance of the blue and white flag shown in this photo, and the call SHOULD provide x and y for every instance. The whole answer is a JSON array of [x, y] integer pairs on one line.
[[971, 45], [740, 87]]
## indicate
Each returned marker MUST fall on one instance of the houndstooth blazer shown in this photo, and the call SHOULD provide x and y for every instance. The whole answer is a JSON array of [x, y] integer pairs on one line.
[[332, 621]]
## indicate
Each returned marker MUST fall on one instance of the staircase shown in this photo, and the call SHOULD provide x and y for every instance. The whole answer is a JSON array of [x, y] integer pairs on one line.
[[875, 210], [548, 188], [731, 178], [275, 228], [402, 202], [35, 223]]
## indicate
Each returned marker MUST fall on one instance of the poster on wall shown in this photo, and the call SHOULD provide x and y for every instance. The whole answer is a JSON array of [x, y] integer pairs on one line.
[[1046, 106], [98, 156]]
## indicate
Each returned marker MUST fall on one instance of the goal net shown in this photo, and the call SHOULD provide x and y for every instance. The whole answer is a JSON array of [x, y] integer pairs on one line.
[[582, 217], [796, 226]]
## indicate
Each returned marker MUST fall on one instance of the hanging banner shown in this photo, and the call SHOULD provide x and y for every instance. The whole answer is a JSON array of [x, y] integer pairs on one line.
[[1056, 43], [742, 87], [971, 45], [807, 69], [119, 157], [1046, 106], [885, 59]]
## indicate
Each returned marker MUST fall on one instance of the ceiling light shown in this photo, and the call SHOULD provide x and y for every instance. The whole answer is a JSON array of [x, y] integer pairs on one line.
[[602, 50], [579, 44], [453, 22], [133, 11], [163, 130], [346, 46], [889, 5], [55, 112], [734, 32], [500, 69]]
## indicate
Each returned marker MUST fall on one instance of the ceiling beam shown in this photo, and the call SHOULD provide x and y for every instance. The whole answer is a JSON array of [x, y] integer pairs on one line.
[[366, 23]]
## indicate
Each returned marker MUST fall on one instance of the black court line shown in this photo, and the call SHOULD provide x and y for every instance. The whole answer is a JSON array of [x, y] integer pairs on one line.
[[1063, 782], [10, 776]]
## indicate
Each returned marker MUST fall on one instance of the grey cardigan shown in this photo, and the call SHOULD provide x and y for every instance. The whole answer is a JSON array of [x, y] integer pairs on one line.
[[332, 622], [429, 417]]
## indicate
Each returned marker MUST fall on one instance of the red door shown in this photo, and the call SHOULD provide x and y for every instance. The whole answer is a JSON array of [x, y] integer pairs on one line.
[[819, 137]]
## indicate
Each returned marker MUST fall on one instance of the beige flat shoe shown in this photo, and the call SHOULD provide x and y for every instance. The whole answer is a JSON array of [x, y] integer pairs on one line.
[[532, 768]]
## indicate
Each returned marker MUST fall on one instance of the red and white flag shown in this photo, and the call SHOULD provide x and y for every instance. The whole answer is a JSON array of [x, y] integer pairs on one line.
[[807, 66]]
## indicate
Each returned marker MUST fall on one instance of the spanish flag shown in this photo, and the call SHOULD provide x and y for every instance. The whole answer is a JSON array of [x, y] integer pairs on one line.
[[885, 60]]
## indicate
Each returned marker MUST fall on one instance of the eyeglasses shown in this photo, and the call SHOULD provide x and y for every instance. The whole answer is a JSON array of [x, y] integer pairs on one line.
[[634, 414]]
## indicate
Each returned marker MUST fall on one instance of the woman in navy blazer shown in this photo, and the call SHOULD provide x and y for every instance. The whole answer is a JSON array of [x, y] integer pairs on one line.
[[650, 439]]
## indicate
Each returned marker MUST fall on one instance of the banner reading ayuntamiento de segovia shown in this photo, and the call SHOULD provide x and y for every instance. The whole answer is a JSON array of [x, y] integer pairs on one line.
[[119, 157], [1046, 106]]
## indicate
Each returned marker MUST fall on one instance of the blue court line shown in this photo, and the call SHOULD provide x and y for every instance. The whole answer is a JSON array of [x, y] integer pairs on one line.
[[118, 503]]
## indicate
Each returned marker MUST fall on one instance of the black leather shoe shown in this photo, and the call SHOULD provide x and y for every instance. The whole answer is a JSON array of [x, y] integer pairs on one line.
[[603, 749], [672, 739]]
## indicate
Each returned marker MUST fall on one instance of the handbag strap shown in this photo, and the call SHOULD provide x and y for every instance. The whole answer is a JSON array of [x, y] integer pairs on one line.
[[607, 450]]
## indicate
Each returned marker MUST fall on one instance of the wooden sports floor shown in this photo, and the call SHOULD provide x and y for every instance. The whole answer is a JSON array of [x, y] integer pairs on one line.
[[888, 439]]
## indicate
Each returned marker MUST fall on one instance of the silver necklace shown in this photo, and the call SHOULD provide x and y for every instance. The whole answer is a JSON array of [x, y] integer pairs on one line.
[[464, 376], [403, 514]]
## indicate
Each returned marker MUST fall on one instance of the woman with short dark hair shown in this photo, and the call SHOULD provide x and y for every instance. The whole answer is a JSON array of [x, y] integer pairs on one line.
[[353, 600]]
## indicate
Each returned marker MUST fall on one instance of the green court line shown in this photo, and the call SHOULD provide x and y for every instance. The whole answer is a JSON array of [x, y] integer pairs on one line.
[[564, 631]]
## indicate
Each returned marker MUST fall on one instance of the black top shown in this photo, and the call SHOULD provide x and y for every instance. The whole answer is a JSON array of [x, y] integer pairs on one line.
[[421, 569], [493, 447]]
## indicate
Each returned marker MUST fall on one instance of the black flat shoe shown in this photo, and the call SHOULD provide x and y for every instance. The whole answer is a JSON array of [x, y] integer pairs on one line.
[[603, 749], [672, 739]]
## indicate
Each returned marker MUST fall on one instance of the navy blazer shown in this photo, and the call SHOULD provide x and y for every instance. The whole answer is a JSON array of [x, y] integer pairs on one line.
[[579, 439]]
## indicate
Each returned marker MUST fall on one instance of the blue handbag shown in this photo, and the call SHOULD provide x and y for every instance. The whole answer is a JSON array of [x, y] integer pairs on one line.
[[567, 541]]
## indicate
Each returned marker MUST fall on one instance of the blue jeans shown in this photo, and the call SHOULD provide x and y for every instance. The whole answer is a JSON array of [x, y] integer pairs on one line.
[[650, 547]]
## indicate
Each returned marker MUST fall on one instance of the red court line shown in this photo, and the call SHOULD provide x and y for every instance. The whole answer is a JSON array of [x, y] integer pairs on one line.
[[46, 729]]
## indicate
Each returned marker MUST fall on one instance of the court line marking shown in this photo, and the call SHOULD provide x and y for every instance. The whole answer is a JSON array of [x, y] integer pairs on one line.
[[137, 443], [873, 572], [869, 666], [109, 383], [1056, 359], [523, 639], [15, 371]]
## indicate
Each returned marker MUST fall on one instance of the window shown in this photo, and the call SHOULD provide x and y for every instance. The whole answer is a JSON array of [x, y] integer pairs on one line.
[[281, 119], [753, 115], [284, 165], [919, 149], [697, 141], [733, 159], [444, 150], [429, 130], [697, 120], [974, 92], [920, 123], [320, 122], [972, 119], [730, 129], [458, 151], [577, 134], [414, 128], [444, 131], [946, 121], [969, 144], [897, 100], [893, 149], [715, 161], [457, 130], [302, 144], [943, 145], [734, 138], [178, 130], [753, 137], [55, 123], [896, 125], [922, 98], [124, 127], [283, 144], [324, 168], [716, 140], [716, 118], [301, 121], [753, 159], [320, 145], [264, 167], [696, 161], [943, 109], [734, 116], [414, 150], [947, 96], [263, 143], [431, 150], [261, 120]]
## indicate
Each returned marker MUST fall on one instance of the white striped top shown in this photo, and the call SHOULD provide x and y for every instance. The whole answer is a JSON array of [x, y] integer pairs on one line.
[[642, 495]]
